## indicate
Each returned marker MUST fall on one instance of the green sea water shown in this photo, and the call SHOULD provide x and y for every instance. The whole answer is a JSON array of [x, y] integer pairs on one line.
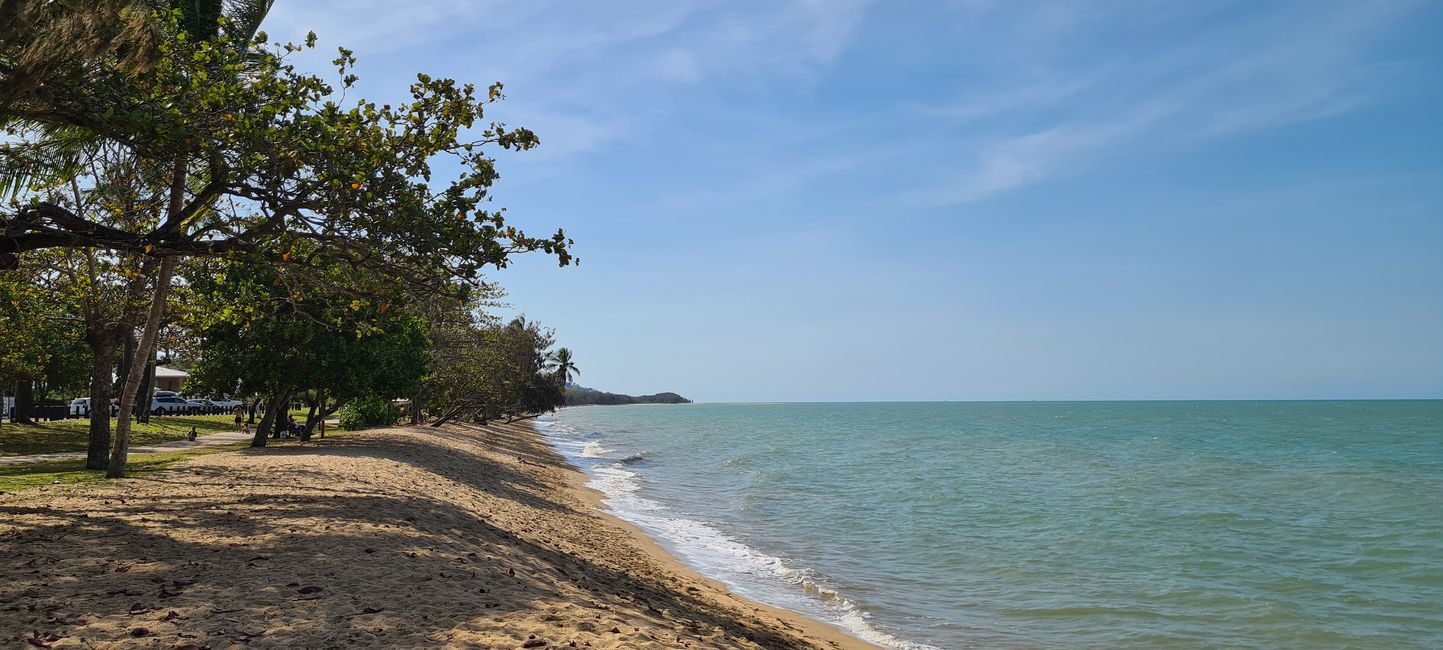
[[1062, 524]]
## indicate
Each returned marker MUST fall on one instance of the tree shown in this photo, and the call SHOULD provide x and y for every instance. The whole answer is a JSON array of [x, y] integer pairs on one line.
[[497, 371], [41, 348], [257, 336], [21, 344], [107, 288], [282, 162], [561, 364], [250, 158], [45, 44], [33, 73]]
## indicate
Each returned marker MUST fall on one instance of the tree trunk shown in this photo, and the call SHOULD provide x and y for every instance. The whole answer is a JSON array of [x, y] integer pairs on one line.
[[328, 411], [417, 401], [447, 417], [103, 346], [127, 357], [120, 446], [311, 415], [251, 410], [273, 410], [24, 401], [146, 396]]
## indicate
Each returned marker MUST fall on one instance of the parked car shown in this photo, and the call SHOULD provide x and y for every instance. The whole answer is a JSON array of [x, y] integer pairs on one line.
[[227, 403], [170, 405], [81, 406]]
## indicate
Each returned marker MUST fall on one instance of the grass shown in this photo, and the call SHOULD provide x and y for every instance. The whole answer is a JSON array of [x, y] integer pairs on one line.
[[73, 435], [56, 472], [34, 475]]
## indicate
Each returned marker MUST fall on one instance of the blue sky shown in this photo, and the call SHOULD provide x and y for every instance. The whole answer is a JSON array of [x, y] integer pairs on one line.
[[968, 200]]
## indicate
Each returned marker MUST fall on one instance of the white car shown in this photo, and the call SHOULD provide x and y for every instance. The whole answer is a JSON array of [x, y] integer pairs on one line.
[[170, 405], [81, 406], [227, 403]]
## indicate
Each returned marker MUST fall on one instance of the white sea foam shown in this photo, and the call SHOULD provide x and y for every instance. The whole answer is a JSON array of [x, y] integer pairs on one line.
[[594, 449], [715, 554]]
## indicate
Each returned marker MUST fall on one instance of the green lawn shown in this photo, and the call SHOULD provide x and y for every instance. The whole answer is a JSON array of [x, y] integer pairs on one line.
[[72, 435], [33, 475]]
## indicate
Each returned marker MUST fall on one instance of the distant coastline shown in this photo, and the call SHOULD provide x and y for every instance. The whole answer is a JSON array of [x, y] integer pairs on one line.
[[583, 396]]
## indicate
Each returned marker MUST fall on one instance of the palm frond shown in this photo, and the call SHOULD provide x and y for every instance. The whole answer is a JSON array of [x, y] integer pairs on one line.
[[200, 18], [245, 18], [54, 156]]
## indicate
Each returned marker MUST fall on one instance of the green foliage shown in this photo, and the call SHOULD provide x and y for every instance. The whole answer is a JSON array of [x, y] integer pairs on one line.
[[42, 336], [255, 335], [319, 252], [492, 371], [279, 169], [369, 412], [21, 305], [563, 365]]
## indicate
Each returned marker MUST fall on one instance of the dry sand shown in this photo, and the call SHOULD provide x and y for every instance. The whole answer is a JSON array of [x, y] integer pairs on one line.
[[393, 538]]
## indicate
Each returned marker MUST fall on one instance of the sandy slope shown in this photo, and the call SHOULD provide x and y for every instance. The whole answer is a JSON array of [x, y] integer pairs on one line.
[[393, 538]]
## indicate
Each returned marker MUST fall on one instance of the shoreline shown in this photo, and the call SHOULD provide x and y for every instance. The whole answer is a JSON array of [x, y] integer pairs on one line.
[[396, 537], [811, 627]]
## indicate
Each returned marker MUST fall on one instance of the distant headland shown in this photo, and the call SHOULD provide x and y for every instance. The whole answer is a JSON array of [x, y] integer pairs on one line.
[[581, 395]]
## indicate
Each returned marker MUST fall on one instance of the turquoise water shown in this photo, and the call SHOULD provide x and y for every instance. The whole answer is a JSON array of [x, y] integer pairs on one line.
[[1067, 524]]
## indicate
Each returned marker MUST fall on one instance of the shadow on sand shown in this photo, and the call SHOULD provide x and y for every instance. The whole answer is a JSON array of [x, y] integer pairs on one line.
[[402, 538]]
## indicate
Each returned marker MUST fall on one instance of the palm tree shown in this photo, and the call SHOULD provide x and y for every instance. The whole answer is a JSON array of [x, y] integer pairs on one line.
[[561, 364]]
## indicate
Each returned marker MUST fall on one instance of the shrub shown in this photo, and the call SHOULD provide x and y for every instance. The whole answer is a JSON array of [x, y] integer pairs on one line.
[[369, 412]]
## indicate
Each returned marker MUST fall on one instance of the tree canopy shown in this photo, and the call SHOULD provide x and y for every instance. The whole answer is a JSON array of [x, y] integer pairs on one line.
[[277, 164], [312, 244]]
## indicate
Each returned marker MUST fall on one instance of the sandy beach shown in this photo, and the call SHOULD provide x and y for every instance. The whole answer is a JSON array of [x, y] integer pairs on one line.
[[391, 538]]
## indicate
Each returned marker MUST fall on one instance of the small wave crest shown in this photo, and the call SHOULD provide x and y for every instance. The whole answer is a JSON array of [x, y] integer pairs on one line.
[[594, 449], [712, 551]]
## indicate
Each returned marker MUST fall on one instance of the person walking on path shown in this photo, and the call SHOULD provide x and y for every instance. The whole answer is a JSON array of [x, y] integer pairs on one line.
[[240, 420]]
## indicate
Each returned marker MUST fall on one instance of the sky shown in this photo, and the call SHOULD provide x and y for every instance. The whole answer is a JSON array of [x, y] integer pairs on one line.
[[842, 200]]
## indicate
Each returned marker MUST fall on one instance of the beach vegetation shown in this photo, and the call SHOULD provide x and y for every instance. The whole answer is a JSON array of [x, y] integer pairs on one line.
[[369, 412], [494, 371], [257, 334]]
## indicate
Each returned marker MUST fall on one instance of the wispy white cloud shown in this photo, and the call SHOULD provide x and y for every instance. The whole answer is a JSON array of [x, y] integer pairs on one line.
[[585, 74], [1251, 77], [1049, 89], [1022, 160]]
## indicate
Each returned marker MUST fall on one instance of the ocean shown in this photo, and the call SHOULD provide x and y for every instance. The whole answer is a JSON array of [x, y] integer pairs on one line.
[[1047, 524]]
